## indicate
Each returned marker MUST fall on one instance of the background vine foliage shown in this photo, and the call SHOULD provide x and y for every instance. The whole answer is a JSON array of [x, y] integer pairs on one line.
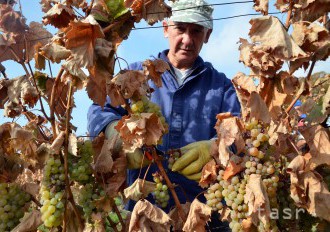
[[50, 180]]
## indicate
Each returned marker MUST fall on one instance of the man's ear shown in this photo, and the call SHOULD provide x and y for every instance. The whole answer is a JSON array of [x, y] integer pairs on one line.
[[208, 33], [165, 28]]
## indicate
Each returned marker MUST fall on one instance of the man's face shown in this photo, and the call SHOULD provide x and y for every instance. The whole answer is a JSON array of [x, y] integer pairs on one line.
[[186, 41]]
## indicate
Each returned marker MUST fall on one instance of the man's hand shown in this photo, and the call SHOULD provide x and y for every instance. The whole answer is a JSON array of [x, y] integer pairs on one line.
[[195, 156], [135, 159]]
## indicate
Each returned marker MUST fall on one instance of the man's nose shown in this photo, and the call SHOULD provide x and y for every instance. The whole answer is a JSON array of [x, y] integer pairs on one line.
[[187, 38]]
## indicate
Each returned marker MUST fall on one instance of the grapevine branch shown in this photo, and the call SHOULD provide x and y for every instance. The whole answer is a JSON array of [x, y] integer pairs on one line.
[[113, 225], [287, 22], [114, 206], [169, 184], [52, 100], [66, 152]]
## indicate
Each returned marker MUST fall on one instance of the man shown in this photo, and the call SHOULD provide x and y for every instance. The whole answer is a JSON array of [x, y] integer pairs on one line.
[[191, 96]]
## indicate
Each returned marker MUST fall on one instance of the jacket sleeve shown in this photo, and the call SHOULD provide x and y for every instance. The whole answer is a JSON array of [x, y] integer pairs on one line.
[[98, 118], [230, 101]]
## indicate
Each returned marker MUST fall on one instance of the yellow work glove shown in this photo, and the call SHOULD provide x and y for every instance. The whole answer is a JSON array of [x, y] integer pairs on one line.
[[136, 158], [194, 157]]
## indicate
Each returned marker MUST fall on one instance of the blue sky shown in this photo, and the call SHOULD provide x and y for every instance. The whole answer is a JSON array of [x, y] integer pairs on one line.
[[221, 50]]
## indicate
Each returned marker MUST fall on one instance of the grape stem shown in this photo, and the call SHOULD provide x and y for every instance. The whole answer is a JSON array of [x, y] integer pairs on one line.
[[113, 225], [66, 152], [114, 206], [168, 183]]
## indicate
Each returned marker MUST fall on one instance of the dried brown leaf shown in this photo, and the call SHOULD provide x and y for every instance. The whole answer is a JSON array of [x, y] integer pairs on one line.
[[97, 84], [153, 69], [257, 199], [35, 34], [259, 58], [30, 222], [313, 39], [80, 38], [139, 189], [229, 130], [59, 16], [175, 216], [258, 108], [137, 130], [199, 214], [244, 86], [147, 217], [104, 161], [55, 52], [10, 20], [57, 143], [39, 59], [130, 83], [152, 11], [209, 174], [318, 140], [261, 6], [232, 169], [269, 31], [310, 10], [60, 96]]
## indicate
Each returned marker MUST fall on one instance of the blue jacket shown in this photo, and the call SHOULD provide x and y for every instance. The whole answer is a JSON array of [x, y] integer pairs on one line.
[[190, 111]]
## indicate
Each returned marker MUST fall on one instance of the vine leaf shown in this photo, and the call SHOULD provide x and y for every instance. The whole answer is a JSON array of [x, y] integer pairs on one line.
[[310, 10], [10, 20], [199, 214], [30, 222], [318, 140], [175, 216], [229, 130], [60, 95], [257, 199], [59, 16], [282, 5], [80, 38], [139, 189], [97, 85], [151, 11], [314, 40], [149, 218], [104, 161], [259, 59], [261, 6], [137, 130], [153, 69], [258, 108], [307, 189], [232, 169], [129, 83], [33, 35], [55, 52], [209, 174], [270, 32]]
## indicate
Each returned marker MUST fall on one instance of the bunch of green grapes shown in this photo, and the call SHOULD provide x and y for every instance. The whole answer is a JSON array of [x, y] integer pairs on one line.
[[113, 216], [12, 205], [88, 195], [231, 192], [80, 169], [160, 194], [52, 192], [146, 106]]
